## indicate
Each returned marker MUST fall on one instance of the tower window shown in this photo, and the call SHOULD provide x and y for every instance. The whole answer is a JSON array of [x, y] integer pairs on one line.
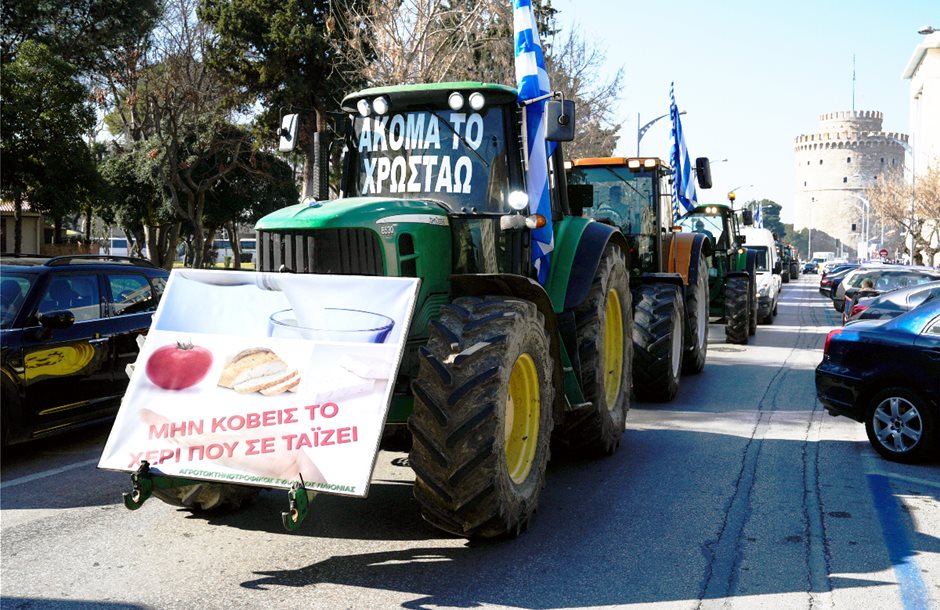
[[882, 160], [804, 183], [844, 179], [820, 161], [848, 159]]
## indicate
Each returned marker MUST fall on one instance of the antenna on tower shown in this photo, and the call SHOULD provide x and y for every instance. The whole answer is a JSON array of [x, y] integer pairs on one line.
[[853, 82]]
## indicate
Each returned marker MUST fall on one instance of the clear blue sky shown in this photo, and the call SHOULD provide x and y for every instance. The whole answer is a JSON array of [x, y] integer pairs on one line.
[[752, 75]]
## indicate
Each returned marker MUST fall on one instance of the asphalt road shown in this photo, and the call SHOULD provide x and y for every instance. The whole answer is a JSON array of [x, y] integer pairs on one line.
[[742, 493]]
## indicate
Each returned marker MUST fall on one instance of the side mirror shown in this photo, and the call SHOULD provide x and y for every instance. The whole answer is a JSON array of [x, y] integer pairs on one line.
[[747, 217], [580, 198], [57, 320], [703, 172], [559, 120], [740, 240], [287, 133]]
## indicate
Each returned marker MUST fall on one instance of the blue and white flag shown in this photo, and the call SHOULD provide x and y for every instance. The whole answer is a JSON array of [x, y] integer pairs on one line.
[[759, 217], [684, 197], [532, 82]]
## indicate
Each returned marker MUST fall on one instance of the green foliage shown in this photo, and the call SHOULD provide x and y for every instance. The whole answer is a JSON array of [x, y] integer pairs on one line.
[[771, 214], [45, 114], [84, 33]]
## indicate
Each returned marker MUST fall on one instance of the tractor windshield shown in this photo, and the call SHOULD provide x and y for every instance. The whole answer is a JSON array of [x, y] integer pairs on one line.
[[457, 158], [710, 225], [624, 197]]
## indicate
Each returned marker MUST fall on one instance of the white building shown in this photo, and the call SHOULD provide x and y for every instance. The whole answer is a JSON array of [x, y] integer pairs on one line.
[[923, 70]]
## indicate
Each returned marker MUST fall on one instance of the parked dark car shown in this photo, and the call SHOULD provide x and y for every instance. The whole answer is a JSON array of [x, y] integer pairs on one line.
[[884, 278], [890, 304], [69, 327], [831, 279], [886, 374]]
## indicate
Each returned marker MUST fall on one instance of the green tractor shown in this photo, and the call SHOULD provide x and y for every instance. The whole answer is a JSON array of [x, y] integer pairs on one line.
[[732, 269], [497, 366], [668, 273]]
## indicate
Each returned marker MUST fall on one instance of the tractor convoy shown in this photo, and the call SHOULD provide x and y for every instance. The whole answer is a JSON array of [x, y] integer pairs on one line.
[[500, 369]]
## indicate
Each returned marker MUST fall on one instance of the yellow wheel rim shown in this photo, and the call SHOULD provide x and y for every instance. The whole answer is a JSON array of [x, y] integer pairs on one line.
[[522, 418], [613, 349]]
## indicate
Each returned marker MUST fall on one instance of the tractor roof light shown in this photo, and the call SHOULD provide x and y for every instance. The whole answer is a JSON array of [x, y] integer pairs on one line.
[[633, 163], [381, 104], [650, 162], [363, 107], [455, 101], [477, 101]]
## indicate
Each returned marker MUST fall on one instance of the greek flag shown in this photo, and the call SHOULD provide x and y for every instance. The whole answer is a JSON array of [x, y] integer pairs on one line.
[[532, 82], [684, 198], [759, 217]]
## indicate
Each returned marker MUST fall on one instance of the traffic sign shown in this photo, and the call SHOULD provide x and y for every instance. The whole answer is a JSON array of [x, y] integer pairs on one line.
[[883, 252]]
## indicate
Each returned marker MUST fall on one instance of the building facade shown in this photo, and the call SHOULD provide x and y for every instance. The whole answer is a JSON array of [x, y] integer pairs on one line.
[[835, 165]]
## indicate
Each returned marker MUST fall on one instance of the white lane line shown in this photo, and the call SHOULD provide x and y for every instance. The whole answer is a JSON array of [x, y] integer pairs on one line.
[[47, 473]]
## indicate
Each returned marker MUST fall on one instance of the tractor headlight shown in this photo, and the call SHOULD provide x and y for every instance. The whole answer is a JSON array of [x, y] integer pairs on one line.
[[380, 104], [518, 200], [455, 101], [477, 101], [363, 107]]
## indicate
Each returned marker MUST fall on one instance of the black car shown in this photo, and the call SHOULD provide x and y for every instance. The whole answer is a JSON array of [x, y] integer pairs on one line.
[[69, 327], [810, 267], [874, 306], [886, 374]]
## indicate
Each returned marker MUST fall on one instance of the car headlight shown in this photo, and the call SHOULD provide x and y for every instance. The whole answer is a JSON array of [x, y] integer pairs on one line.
[[762, 291]]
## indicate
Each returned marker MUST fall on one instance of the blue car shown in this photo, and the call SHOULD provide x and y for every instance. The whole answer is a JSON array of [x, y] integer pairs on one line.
[[886, 374]]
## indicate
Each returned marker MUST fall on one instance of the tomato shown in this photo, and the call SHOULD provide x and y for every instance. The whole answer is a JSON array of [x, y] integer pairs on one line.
[[179, 366]]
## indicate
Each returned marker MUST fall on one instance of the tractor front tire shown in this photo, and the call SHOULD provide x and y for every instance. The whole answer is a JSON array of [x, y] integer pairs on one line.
[[737, 309], [657, 342], [605, 348], [696, 328], [482, 418], [209, 497]]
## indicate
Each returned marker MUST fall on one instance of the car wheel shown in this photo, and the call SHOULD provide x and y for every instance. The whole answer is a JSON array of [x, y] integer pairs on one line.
[[901, 425]]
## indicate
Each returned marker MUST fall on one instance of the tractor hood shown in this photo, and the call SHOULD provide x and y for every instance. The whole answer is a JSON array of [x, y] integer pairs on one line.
[[353, 211]]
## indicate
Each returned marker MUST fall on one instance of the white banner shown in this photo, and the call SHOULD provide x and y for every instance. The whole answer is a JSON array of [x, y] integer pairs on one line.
[[264, 379]]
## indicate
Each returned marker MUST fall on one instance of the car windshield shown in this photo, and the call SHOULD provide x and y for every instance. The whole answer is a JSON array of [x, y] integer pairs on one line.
[[623, 196], [761, 251], [457, 158], [13, 290]]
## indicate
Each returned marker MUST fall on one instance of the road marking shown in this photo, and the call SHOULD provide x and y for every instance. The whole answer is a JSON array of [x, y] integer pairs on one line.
[[47, 473], [900, 551]]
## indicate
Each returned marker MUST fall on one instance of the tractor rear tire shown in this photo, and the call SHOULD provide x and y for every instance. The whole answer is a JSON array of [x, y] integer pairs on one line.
[[209, 497], [696, 328], [605, 348], [737, 310], [658, 319], [483, 417], [752, 301]]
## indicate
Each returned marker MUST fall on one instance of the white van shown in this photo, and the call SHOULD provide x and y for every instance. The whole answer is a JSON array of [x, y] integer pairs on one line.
[[769, 280]]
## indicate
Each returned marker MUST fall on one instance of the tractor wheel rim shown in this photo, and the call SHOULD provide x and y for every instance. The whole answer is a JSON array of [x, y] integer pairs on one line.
[[897, 424], [613, 349], [676, 345], [523, 407]]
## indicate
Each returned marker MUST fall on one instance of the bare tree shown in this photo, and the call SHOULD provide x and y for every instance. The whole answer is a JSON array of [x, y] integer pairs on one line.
[[415, 41], [192, 145], [915, 207]]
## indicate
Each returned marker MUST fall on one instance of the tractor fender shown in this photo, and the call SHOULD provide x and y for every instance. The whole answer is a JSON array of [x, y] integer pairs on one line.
[[579, 247], [521, 287], [681, 252]]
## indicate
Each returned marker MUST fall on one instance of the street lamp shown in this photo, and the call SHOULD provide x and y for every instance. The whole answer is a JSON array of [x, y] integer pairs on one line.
[[641, 131]]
